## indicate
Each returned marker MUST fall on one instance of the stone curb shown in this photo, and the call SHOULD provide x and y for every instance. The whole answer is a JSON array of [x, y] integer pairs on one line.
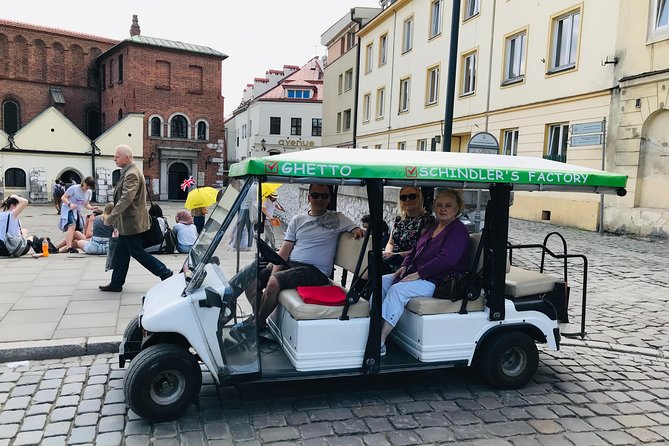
[[628, 349], [58, 348]]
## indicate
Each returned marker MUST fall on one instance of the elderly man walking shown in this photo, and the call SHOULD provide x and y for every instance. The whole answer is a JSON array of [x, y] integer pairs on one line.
[[131, 217]]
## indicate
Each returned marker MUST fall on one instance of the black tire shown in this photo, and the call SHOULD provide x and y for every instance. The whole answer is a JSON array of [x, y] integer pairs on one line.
[[133, 332], [162, 381], [508, 360]]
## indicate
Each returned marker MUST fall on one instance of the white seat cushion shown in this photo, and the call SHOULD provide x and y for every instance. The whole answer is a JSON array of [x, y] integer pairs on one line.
[[424, 306], [521, 282], [300, 311]]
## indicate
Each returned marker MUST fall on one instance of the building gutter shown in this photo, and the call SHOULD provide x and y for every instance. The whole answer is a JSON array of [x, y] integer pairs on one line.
[[357, 81]]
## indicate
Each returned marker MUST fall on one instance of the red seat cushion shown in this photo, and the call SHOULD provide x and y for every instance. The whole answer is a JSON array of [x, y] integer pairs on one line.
[[322, 295]]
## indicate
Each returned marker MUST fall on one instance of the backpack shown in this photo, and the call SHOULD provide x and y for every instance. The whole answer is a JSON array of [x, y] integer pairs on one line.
[[169, 241]]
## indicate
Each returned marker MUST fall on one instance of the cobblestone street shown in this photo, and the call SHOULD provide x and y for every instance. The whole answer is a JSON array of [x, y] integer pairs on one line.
[[610, 389]]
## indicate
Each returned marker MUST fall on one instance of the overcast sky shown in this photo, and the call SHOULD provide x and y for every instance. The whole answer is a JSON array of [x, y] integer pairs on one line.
[[256, 35]]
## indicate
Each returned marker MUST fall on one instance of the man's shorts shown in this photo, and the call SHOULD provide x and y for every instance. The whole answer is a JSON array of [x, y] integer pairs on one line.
[[299, 274]]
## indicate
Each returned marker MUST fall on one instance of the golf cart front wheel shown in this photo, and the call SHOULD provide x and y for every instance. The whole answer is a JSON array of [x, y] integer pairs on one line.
[[162, 381], [508, 360]]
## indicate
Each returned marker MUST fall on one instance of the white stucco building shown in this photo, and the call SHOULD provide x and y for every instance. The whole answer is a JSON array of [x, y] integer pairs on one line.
[[278, 113]]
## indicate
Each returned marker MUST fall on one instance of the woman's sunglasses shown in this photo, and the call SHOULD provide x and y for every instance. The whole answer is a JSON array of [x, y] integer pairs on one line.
[[317, 195], [409, 197]]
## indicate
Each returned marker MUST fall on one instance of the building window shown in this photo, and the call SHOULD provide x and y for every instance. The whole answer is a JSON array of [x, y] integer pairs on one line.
[[405, 90], [163, 75], [407, 35], [316, 126], [104, 76], [11, 117], [366, 106], [244, 131], [15, 178], [432, 96], [514, 58], [422, 145], [661, 14], [298, 94], [179, 127], [369, 57], [558, 137], [340, 84], [93, 123], [156, 127], [402, 145], [564, 41], [195, 79], [348, 79], [472, 8], [274, 125], [120, 68], [111, 72], [350, 40], [380, 102], [435, 18], [120, 114], [202, 131], [510, 142], [295, 126], [339, 122], [346, 124], [468, 74], [383, 49]]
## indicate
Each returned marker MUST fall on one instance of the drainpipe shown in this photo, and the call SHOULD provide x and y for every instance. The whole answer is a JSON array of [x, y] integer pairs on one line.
[[94, 148], [357, 80], [450, 80]]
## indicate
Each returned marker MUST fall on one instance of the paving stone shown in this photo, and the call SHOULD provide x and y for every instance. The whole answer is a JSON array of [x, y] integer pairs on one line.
[[168, 429], [86, 406], [137, 428], [345, 441], [375, 440], [109, 439], [23, 390], [17, 403], [11, 416], [54, 441], [349, 427], [137, 440], [57, 429], [33, 423], [86, 419], [315, 430], [510, 428], [585, 438], [617, 437], [113, 409], [241, 431], [545, 426], [468, 432], [50, 384], [403, 438], [435, 435], [63, 414], [8, 430], [378, 425], [634, 420], [28, 438], [330, 414], [275, 434], [645, 435], [67, 401], [71, 389]]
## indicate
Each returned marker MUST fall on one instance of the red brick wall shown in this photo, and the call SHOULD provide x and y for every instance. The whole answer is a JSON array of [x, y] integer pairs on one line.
[[144, 91], [31, 61]]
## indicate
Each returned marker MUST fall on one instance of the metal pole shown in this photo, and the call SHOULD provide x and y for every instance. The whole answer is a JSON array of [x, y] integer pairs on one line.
[[450, 80], [601, 196]]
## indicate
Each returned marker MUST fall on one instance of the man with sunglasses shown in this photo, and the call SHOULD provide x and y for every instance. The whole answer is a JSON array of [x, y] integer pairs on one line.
[[309, 247]]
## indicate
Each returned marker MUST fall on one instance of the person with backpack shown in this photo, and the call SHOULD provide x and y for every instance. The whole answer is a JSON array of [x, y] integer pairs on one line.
[[57, 193], [168, 244], [14, 240]]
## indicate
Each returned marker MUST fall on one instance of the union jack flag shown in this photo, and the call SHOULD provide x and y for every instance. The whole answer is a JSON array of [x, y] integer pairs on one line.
[[188, 182]]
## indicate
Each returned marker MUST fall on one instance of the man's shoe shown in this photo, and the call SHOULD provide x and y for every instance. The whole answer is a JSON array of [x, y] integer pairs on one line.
[[110, 287], [167, 275], [242, 330]]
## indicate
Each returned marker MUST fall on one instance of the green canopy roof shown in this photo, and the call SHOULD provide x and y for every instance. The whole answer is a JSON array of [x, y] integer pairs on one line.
[[461, 169]]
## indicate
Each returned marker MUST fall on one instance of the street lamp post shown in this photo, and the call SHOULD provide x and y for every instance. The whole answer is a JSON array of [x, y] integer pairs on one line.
[[450, 79]]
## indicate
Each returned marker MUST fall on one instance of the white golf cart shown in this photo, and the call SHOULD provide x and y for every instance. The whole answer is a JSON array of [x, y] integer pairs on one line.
[[186, 320]]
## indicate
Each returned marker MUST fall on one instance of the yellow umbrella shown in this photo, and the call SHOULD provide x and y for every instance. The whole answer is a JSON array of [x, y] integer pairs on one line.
[[268, 188], [201, 197]]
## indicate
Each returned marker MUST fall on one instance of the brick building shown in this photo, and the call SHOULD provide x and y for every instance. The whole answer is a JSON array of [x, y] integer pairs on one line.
[[95, 82]]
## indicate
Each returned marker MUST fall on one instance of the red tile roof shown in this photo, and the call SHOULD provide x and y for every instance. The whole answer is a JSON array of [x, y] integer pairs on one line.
[[306, 77], [56, 31]]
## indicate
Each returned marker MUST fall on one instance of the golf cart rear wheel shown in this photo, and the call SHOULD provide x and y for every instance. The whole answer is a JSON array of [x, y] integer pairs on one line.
[[508, 360], [162, 381]]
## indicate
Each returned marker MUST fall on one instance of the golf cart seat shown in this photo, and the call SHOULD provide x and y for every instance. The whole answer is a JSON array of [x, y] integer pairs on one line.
[[312, 336], [428, 325], [521, 282]]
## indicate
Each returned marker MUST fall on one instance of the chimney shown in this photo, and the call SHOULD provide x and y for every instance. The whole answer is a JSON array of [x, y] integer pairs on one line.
[[134, 28]]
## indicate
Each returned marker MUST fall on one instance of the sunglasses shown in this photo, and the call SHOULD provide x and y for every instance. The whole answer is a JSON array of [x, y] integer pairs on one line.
[[409, 197], [317, 195]]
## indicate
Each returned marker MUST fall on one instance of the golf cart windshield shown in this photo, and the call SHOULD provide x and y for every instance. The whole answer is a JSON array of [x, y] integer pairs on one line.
[[219, 222]]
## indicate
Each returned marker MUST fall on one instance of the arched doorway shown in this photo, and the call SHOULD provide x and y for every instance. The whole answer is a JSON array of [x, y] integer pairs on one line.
[[653, 172], [177, 173], [70, 177]]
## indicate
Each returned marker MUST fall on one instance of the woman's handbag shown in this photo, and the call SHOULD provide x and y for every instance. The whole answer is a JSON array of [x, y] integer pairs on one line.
[[154, 236], [453, 287], [111, 250]]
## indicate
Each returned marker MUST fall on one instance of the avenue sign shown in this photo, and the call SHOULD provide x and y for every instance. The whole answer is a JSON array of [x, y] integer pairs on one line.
[[483, 142]]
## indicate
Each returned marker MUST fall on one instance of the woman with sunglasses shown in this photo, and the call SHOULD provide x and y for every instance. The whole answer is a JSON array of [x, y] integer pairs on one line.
[[411, 221], [440, 251]]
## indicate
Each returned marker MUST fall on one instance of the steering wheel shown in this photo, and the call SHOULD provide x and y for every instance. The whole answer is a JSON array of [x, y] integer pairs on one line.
[[269, 254]]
